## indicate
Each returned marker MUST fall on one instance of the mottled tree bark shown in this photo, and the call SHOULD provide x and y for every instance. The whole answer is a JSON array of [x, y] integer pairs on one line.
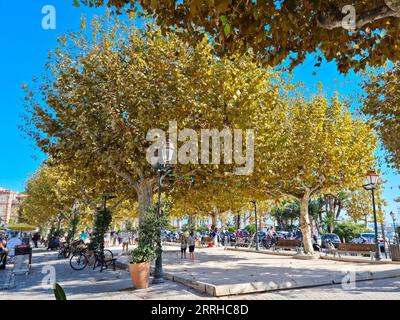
[[305, 224]]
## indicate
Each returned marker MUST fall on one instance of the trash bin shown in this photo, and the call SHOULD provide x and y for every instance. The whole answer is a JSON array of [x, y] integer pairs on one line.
[[395, 252]]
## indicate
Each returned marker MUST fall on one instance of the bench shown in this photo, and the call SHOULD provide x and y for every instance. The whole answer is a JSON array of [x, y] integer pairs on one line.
[[288, 244], [104, 261], [356, 248], [243, 242]]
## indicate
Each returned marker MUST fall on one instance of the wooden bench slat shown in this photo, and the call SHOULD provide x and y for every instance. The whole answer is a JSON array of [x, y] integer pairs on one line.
[[356, 247]]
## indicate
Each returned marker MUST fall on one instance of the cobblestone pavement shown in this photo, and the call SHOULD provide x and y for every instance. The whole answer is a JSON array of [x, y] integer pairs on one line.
[[91, 284]]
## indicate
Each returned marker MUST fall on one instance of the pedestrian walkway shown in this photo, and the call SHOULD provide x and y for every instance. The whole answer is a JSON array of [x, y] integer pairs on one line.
[[92, 285], [220, 272]]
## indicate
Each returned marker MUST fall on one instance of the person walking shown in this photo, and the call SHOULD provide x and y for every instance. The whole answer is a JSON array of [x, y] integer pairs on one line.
[[184, 244], [35, 239], [191, 241], [115, 238], [124, 236], [107, 239]]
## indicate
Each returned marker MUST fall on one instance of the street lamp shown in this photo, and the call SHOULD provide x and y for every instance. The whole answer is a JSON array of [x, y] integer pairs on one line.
[[107, 196], [162, 166], [372, 181], [393, 215], [254, 203]]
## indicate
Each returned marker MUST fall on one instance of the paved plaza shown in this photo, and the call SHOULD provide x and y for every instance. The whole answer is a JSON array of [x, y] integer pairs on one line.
[[231, 274], [220, 272]]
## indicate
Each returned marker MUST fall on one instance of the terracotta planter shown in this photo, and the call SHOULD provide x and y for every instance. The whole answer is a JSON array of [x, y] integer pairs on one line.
[[140, 274]]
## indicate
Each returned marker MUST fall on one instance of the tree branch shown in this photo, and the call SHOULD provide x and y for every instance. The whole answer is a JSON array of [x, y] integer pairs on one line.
[[332, 20]]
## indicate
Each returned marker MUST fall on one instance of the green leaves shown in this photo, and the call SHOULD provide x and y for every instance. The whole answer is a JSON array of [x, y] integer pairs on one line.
[[149, 231], [273, 30], [225, 24], [382, 105], [59, 292]]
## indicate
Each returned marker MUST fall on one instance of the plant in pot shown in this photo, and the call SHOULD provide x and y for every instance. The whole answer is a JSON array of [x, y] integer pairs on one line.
[[139, 266], [141, 257]]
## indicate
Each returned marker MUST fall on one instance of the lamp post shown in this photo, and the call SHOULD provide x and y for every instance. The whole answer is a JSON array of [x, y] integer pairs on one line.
[[393, 215], [107, 196], [254, 202], [162, 166], [372, 181]]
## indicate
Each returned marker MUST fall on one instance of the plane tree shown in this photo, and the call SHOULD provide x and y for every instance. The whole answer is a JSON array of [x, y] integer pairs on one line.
[[319, 147], [353, 34], [105, 87]]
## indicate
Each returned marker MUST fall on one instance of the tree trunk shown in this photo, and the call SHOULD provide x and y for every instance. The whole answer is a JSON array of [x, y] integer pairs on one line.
[[145, 197], [238, 221], [305, 225], [190, 222], [214, 218]]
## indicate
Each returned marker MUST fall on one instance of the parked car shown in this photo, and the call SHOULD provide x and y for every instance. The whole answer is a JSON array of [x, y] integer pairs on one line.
[[332, 237], [261, 236], [369, 238], [297, 235], [243, 234], [282, 234]]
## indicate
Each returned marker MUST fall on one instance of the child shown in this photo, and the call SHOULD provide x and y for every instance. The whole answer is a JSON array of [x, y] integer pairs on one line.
[[183, 246]]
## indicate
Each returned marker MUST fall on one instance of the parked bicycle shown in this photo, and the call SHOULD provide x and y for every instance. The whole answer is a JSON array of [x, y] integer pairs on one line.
[[66, 249], [269, 241], [100, 258]]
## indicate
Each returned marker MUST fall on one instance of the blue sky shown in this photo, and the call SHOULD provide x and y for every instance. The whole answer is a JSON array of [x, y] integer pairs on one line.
[[25, 46]]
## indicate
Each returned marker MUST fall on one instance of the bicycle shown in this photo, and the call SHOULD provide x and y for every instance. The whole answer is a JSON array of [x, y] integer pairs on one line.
[[64, 251], [80, 260]]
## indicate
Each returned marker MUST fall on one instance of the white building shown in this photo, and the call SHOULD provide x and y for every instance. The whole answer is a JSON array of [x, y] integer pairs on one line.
[[9, 204]]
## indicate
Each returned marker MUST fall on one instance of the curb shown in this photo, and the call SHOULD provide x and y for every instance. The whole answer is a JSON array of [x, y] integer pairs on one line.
[[262, 287], [357, 260], [275, 253]]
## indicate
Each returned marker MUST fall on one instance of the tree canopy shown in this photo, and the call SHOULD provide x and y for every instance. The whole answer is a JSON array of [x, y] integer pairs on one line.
[[382, 104], [276, 30], [317, 146], [102, 92]]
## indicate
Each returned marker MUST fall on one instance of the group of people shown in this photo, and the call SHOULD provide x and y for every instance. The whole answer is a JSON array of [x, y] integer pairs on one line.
[[116, 238], [7, 247], [188, 242]]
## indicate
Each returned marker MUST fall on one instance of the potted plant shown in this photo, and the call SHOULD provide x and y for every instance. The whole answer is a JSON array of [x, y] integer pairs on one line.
[[141, 257], [139, 265]]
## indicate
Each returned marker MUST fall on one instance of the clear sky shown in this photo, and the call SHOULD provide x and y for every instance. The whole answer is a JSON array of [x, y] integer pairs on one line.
[[25, 45]]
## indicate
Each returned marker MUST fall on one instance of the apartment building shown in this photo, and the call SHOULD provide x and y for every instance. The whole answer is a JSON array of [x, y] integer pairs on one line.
[[9, 204]]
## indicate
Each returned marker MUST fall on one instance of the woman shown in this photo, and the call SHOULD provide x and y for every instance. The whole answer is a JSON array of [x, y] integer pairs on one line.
[[191, 243], [184, 244]]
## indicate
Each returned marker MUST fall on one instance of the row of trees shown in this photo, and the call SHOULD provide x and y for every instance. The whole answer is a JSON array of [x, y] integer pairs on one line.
[[106, 86]]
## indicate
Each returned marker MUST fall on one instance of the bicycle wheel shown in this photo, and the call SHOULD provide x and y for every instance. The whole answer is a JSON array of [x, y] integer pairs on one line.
[[108, 255], [78, 261], [60, 254]]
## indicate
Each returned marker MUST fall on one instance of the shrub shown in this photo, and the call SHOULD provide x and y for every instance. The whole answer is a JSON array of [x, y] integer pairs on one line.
[[149, 233], [202, 229], [348, 230], [251, 228], [102, 223]]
